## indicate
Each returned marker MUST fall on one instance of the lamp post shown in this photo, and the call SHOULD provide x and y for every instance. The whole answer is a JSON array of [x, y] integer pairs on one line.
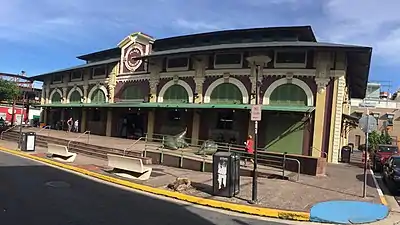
[[257, 61], [20, 123]]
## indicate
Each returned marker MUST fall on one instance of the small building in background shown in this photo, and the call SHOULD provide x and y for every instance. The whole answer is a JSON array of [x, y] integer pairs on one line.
[[383, 106]]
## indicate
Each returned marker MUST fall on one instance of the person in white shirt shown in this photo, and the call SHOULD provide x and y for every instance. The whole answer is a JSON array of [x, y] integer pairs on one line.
[[76, 126]]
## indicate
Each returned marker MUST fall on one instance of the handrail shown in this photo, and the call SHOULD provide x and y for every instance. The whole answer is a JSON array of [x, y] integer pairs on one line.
[[134, 143], [86, 132], [298, 167], [326, 154], [10, 128]]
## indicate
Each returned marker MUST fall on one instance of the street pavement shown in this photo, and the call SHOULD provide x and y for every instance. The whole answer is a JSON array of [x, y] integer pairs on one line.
[[35, 194]]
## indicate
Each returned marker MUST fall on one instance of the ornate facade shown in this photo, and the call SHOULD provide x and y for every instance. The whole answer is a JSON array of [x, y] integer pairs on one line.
[[206, 83]]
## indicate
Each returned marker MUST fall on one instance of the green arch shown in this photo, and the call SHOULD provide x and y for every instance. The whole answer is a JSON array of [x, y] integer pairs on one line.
[[176, 93], [98, 96], [288, 94], [132, 93], [75, 97], [56, 98], [226, 93]]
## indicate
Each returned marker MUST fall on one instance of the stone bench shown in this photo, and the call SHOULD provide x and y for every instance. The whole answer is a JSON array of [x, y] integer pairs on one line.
[[60, 153], [129, 167]]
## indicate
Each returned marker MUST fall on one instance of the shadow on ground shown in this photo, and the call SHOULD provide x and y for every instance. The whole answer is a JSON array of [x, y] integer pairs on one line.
[[370, 181], [27, 198]]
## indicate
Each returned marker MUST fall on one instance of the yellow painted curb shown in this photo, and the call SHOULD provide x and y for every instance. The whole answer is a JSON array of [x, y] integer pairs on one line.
[[259, 211], [383, 200]]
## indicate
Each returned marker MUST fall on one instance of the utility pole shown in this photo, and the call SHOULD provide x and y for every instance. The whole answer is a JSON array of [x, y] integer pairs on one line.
[[258, 62]]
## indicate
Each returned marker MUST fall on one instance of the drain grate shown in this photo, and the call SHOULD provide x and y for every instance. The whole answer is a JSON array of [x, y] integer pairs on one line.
[[58, 184]]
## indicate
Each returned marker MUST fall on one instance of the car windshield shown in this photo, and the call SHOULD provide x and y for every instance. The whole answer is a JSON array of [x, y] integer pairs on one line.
[[392, 149], [396, 162]]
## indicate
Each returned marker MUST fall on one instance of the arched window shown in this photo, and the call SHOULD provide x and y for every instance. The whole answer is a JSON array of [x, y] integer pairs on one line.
[[288, 94], [226, 93], [75, 97], [98, 96], [132, 93], [56, 98], [176, 93]]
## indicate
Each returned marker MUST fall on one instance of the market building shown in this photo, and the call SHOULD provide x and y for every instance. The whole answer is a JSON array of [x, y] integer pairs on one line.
[[206, 83]]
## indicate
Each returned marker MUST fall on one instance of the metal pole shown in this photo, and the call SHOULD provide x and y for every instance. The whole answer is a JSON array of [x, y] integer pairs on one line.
[[20, 123], [254, 191], [365, 159]]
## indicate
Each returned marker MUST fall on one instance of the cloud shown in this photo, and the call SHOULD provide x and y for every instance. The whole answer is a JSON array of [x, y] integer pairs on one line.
[[367, 22], [363, 22], [196, 25]]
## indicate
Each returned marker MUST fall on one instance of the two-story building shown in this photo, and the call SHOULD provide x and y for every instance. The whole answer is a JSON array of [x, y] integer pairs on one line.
[[381, 105], [206, 83]]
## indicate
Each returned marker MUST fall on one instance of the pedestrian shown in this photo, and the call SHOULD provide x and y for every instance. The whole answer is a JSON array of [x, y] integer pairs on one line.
[[70, 123], [249, 149], [76, 126]]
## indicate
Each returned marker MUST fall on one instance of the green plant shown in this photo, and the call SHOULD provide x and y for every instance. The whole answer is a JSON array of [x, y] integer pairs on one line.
[[375, 138]]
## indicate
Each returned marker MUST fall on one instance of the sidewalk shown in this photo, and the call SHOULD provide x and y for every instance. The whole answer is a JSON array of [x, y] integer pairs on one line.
[[343, 182]]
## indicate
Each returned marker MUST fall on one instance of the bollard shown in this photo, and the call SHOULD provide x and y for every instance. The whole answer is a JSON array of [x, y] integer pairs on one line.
[[283, 165]]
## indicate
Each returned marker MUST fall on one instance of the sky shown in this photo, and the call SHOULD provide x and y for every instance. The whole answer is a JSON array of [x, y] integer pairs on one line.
[[45, 35]]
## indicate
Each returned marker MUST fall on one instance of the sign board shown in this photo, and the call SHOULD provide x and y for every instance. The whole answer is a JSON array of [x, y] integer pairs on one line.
[[256, 112], [368, 123]]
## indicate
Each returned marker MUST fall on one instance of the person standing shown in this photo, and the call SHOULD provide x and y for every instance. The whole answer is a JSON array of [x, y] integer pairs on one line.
[[76, 126], [249, 149], [70, 123]]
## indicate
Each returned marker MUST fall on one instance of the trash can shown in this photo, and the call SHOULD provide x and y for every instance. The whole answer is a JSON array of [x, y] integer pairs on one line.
[[28, 141], [226, 174], [345, 154]]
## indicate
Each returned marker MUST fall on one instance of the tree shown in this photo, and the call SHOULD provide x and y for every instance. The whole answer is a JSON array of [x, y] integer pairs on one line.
[[375, 139], [8, 90]]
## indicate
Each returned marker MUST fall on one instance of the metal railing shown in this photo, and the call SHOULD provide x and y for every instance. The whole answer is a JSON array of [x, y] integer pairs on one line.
[[274, 161], [325, 155], [8, 129], [48, 127], [133, 144], [79, 136]]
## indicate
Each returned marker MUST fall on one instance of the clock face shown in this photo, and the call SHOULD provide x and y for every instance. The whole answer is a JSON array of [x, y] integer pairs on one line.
[[130, 58]]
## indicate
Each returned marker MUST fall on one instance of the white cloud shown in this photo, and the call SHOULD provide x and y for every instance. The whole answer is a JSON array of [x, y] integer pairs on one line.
[[364, 22], [198, 26], [367, 22]]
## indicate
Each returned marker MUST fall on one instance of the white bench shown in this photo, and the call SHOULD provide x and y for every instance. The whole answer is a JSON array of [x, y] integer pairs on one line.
[[129, 164], [60, 153]]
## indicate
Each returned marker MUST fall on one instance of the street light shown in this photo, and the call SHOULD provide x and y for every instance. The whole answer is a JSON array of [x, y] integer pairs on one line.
[[20, 123], [259, 61]]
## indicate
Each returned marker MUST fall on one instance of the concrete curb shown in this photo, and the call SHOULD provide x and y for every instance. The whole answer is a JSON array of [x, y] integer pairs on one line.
[[252, 210], [380, 192]]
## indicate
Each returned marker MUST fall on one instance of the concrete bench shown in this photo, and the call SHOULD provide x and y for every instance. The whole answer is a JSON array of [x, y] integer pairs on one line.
[[128, 166], [60, 153]]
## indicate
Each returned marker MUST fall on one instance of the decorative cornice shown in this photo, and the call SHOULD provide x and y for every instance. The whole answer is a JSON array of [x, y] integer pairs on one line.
[[285, 72], [164, 75], [233, 72], [135, 77]]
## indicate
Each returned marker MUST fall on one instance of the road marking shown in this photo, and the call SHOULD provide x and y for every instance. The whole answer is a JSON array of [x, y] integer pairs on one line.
[[381, 196]]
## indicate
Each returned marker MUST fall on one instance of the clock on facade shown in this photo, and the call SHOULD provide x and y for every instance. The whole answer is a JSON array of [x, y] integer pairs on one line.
[[130, 57]]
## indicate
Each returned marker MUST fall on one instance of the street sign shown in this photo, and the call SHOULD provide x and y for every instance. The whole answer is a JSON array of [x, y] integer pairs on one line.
[[256, 112], [367, 124]]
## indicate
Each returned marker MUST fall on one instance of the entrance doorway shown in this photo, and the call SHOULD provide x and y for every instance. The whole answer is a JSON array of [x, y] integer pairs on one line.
[[358, 141], [131, 126]]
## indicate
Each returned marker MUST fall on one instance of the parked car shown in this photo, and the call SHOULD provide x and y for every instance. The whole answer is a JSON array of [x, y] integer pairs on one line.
[[391, 172], [381, 154]]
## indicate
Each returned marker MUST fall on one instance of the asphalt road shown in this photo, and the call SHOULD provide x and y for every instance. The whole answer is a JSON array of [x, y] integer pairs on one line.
[[34, 194]]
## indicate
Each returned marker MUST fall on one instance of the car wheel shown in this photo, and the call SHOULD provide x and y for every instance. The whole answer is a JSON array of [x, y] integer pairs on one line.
[[374, 166]]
